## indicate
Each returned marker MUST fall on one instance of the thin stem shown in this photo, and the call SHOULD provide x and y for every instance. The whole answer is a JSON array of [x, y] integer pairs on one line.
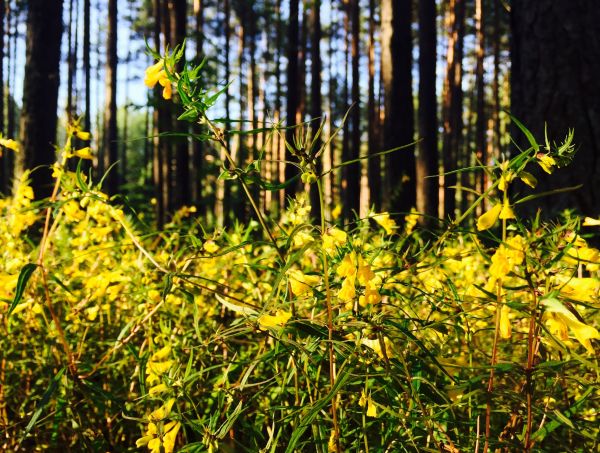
[[490, 388], [332, 376], [40, 262]]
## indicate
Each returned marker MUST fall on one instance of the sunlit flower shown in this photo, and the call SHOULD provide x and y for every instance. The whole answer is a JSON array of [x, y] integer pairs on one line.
[[301, 283], [561, 315], [488, 219], [277, 320], [348, 291], [157, 74], [384, 220], [547, 162]]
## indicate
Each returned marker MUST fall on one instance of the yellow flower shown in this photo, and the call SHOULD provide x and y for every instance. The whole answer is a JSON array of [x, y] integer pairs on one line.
[[584, 289], [84, 153], [487, 220], [157, 74], [384, 220], [301, 283], [371, 295], [333, 238], [547, 162], [347, 266], [505, 179], [528, 179], [560, 314], [160, 440], [411, 220], [347, 292], [10, 144], [83, 135], [588, 221], [364, 273], [366, 400], [506, 212], [279, 319]]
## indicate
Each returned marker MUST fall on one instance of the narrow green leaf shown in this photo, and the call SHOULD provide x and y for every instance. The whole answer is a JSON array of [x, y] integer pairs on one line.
[[21, 283], [44, 401], [534, 144]]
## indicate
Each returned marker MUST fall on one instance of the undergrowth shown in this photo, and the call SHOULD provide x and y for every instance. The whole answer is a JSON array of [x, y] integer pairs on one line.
[[285, 335]]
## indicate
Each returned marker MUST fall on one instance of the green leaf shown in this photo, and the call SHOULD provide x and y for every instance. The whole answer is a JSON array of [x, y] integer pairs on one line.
[[21, 283], [528, 134], [44, 401]]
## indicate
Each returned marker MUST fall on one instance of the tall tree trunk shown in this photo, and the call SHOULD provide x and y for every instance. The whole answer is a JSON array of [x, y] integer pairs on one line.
[[427, 163], [496, 141], [316, 109], [343, 182], [181, 186], [111, 151], [373, 119], [398, 129], [481, 122], [198, 145], [352, 197], [3, 168], [452, 103], [87, 123], [158, 119], [555, 83], [293, 98], [71, 56], [40, 94]]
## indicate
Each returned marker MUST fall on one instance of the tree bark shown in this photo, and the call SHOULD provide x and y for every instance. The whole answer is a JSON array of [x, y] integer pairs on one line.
[[427, 163], [111, 151], [398, 129], [373, 119], [293, 98], [316, 109], [452, 103], [481, 121], [555, 72], [40, 94]]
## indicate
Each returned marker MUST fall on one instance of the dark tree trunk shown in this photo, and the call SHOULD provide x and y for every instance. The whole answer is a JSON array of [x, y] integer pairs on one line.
[[353, 171], [293, 98], [316, 110], [158, 119], [398, 129], [481, 122], [182, 187], [555, 74], [198, 148], [40, 94], [373, 119], [87, 123], [71, 55], [3, 167], [427, 163], [111, 150], [452, 103]]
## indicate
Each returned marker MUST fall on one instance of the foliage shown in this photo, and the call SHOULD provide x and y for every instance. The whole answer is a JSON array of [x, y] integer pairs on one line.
[[292, 336]]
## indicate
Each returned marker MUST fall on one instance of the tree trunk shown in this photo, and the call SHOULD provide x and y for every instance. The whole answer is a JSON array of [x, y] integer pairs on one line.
[[353, 171], [158, 119], [293, 98], [481, 122], [40, 94], [198, 145], [373, 119], [181, 185], [398, 130], [452, 103], [71, 56], [427, 163], [3, 168], [316, 110], [87, 121], [110, 107], [555, 72]]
